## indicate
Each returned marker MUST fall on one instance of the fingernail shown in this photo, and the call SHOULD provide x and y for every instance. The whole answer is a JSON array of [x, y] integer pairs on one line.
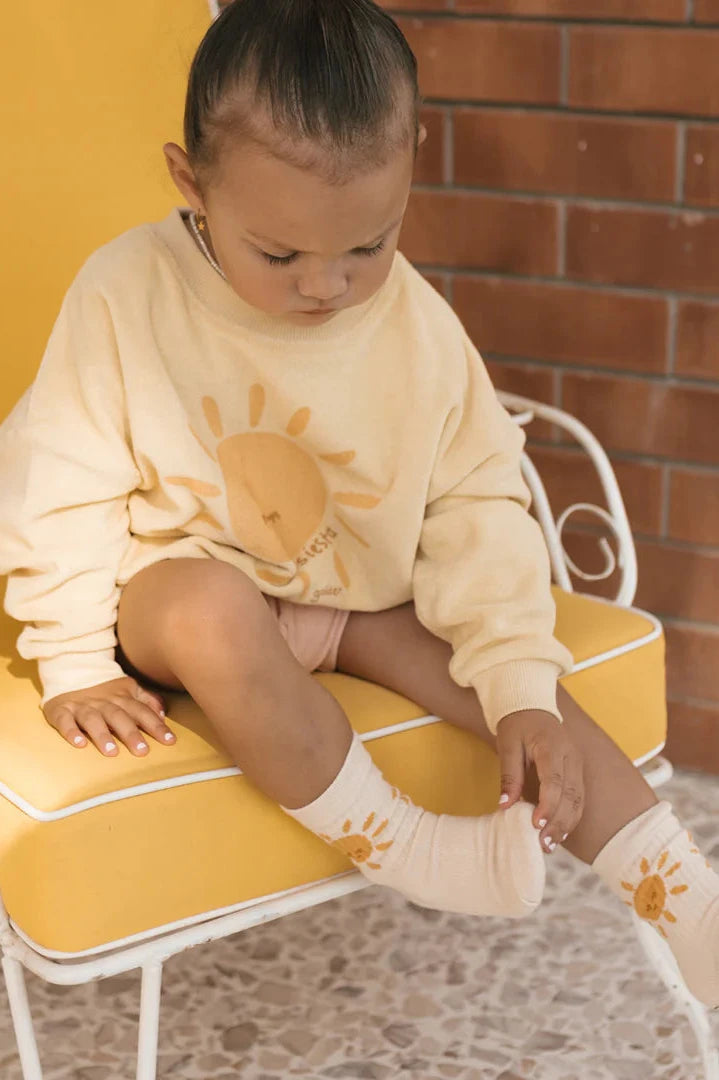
[[548, 842], [168, 736], [141, 746], [110, 746], [163, 714], [565, 837], [503, 799], [542, 823], [79, 740], [551, 847]]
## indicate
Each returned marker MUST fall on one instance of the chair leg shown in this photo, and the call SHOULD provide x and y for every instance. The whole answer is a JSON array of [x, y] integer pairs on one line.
[[662, 960], [21, 1018], [149, 1020]]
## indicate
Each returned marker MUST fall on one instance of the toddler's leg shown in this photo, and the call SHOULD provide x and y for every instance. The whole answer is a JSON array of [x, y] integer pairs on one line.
[[204, 626], [634, 843]]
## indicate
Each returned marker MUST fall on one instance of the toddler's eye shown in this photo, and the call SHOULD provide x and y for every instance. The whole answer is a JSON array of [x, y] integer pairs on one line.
[[279, 260], [370, 251], [285, 260]]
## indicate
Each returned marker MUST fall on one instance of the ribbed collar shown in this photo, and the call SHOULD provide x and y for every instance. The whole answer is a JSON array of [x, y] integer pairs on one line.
[[218, 295]]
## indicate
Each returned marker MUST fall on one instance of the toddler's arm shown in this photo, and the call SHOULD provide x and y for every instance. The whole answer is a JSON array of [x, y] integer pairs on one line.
[[482, 583], [67, 469], [482, 572]]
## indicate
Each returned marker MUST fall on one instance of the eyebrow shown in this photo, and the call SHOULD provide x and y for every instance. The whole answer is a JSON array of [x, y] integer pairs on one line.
[[287, 247]]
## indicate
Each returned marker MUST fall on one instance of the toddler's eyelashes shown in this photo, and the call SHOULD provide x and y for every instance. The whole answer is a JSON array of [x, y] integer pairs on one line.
[[285, 260]]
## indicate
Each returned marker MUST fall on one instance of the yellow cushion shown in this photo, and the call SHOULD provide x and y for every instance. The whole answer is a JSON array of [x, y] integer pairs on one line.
[[94, 850]]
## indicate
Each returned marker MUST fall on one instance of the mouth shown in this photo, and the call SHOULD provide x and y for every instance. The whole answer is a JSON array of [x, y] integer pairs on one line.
[[318, 311]]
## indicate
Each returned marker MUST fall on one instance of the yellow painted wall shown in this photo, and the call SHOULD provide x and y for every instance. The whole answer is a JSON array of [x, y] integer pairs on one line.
[[89, 92]]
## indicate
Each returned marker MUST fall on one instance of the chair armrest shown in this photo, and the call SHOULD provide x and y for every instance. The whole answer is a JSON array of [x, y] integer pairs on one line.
[[615, 517]]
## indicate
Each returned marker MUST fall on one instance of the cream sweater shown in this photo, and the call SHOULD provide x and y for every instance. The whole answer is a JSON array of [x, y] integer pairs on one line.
[[355, 464]]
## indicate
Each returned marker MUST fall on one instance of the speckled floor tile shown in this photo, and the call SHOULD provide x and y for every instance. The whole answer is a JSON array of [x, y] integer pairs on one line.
[[369, 987]]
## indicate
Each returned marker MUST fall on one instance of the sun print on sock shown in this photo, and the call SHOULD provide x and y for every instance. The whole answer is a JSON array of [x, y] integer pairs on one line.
[[276, 494], [696, 851], [358, 846], [651, 893]]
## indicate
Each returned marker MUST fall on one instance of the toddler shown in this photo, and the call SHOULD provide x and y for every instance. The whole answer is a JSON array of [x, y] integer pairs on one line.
[[260, 444]]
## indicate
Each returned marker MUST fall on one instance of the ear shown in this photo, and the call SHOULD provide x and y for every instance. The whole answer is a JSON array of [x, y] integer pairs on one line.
[[421, 135], [179, 168]]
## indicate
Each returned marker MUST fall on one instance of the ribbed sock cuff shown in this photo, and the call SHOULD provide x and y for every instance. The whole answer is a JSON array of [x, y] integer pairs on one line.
[[342, 792], [649, 832]]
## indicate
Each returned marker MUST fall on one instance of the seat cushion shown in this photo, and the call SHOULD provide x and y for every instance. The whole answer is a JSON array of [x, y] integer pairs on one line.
[[95, 851]]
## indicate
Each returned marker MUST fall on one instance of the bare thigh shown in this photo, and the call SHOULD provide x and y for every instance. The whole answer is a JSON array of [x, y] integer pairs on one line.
[[151, 607]]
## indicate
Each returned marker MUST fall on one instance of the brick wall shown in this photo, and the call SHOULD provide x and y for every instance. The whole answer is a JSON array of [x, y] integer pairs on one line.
[[567, 204]]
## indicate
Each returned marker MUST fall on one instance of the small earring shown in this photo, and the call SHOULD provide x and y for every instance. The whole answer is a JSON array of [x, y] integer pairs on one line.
[[200, 220]]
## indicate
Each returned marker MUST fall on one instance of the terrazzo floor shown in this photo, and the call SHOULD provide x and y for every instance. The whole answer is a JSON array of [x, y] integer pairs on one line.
[[370, 987]]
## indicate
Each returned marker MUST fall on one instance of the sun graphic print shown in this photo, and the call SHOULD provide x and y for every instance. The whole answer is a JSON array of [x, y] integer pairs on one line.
[[276, 493], [357, 845], [651, 893]]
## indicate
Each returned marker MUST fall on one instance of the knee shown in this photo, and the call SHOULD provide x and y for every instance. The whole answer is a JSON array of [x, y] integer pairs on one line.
[[217, 609]]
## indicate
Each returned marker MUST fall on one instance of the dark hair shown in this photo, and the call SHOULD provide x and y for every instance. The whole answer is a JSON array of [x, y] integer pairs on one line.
[[339, 72]]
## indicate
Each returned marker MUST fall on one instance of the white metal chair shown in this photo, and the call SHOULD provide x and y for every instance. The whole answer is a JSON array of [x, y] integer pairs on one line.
[[149, 955]]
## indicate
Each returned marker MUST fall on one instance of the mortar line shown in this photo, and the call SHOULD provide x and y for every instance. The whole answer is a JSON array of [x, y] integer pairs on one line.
[[564, 66], [664, 513], [562, 239], [672, 333], [681, 160], [448, 147]]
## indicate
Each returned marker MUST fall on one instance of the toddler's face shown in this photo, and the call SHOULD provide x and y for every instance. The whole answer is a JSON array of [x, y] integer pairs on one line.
[[289, 242]]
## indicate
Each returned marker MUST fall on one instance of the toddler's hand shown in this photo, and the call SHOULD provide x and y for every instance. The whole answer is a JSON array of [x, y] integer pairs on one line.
[[121, 706], [533, 735]]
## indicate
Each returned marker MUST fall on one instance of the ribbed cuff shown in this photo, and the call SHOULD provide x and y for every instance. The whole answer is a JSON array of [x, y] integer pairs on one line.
[[344, 790], [517, 684], [77, 671]]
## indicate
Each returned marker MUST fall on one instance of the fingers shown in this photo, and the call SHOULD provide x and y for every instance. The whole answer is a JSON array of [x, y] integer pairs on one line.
[[106, 723], [511, 764], [154, 700], [561, 794], [63, 720]]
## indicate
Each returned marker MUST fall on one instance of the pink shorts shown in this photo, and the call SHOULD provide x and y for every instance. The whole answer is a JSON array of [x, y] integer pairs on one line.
[[312, 632]]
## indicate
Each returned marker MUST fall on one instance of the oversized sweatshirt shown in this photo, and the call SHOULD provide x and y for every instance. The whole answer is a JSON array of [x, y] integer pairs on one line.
[[356, 464]]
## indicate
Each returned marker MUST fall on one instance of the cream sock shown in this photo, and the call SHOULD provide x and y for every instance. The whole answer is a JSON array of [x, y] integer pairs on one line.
[[488, 865], [655, 867]]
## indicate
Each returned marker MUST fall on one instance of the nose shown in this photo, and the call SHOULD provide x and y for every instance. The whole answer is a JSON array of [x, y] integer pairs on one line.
[[323, 283]]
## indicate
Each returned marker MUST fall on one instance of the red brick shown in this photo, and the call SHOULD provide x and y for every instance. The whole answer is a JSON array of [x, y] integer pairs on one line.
[[646, 10], [574, 155], [655, 248], [644, 70], [530, 382], [694, 506], [558, 322], [482, 231], [701, 185], [678, 581], [698, 339], [692, 661], [693, 739], [570, 477], [429, 168], [706, 11], [646, 417], [489, 61]]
